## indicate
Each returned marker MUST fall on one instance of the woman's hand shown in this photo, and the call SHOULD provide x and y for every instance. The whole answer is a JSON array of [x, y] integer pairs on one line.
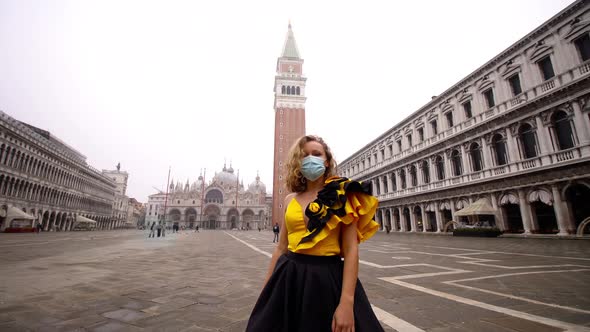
[[343, 320]]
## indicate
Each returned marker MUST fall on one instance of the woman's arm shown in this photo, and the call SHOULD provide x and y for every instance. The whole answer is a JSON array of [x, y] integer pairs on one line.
[[343, 320], [283, 240]]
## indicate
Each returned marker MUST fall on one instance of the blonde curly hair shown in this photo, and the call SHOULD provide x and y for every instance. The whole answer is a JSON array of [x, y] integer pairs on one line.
[[295, 180]]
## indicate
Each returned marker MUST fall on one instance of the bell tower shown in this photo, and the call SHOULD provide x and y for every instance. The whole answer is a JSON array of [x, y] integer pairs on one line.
[[289, 106]]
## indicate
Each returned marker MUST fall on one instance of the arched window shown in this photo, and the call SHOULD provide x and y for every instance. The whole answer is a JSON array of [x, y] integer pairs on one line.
[[499, 146], [439, 163], [475, 154], [288, 90], [456, 162], [413, 176], [298, 91], [425, 171], [402, 176], [528, 141], [385, 189], [393, 182], [283, 89], [563, 130]]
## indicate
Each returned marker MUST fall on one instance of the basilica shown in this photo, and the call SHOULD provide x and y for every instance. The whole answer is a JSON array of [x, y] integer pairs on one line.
[[222, 203]]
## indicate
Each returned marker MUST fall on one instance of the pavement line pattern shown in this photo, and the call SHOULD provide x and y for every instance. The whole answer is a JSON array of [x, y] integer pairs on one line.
[[523, 315], [250, 246], [394, 322], [383, 316], [455, 283], [513, 253]]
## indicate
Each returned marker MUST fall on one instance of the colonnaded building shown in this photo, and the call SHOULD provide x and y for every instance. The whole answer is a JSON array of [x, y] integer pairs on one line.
[[222, 203], [510, 143], [45, 181]]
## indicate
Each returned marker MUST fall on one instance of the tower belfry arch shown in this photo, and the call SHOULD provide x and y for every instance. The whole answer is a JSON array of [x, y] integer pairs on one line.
[[289, 107]]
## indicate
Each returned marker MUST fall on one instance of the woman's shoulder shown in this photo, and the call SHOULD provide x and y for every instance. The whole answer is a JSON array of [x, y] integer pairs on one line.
[[289, 198]]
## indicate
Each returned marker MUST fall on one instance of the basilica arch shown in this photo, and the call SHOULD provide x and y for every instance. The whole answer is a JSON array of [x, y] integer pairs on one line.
[[233, 218], [211, 217], [248, 219], [190, 217]]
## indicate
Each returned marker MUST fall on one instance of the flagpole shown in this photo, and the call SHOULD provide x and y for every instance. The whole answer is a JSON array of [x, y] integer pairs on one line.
[[237, 190], [202, 195], [166, 197]]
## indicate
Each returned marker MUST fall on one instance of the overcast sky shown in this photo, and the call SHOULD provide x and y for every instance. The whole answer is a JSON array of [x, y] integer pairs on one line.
[[188, 84]]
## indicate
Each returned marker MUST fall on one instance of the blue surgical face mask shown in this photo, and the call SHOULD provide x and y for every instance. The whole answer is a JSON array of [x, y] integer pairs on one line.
[[312, 167]]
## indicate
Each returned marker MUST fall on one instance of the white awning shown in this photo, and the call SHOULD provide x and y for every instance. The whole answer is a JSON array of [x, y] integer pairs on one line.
[[15, 213], [479, 207], [82, 219]]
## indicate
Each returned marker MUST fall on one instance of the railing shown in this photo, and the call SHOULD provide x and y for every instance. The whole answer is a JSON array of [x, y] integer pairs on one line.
[[522, 165], [529, 164], [565, 155], [500, 170], [584, 68], [548, 86], [525, 96]]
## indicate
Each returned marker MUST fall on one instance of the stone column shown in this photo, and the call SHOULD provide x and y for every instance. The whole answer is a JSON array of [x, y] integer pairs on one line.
[[389, 182], [403, 220], [380, 184], [500, 222], [413, 220], [581, 126], [393, 226], [419, 175], [424, 221], [453, 210], [448, 166], [485, 154], [433, 174], [525, 211], [398, 181], [512, 146], [439, 219], [542, 134], [561, 214], [464, 161]]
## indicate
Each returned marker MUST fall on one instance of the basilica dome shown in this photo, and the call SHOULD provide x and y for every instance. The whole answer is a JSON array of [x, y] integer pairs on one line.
[[226, 177], [257, 186]]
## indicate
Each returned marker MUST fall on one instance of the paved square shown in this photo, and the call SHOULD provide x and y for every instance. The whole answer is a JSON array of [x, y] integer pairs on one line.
[[209, 281]]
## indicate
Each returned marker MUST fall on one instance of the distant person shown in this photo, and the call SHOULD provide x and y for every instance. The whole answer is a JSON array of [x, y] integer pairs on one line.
[[39, 228], [308, 287], [275, 230], [159, 229], [197, 229], [152, 230]]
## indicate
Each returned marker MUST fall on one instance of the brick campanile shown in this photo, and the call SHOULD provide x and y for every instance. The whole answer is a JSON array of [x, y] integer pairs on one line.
[[289, 109]]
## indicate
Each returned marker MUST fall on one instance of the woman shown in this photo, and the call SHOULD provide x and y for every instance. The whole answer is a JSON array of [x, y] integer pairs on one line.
[[308, 287]]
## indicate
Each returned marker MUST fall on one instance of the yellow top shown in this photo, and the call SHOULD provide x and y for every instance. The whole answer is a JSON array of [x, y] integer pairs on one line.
[[359, 206]]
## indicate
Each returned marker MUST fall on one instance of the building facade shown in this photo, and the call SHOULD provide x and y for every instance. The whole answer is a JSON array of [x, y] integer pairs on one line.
[[513, 136], [135, 211], [289, 107], [121, 202], [222, 203], [44, 181]]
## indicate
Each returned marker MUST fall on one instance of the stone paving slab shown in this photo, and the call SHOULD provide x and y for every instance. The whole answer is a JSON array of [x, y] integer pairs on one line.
[[209, 281]]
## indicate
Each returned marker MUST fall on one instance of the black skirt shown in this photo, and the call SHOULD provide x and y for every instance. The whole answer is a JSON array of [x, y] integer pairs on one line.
[[302, 295]]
